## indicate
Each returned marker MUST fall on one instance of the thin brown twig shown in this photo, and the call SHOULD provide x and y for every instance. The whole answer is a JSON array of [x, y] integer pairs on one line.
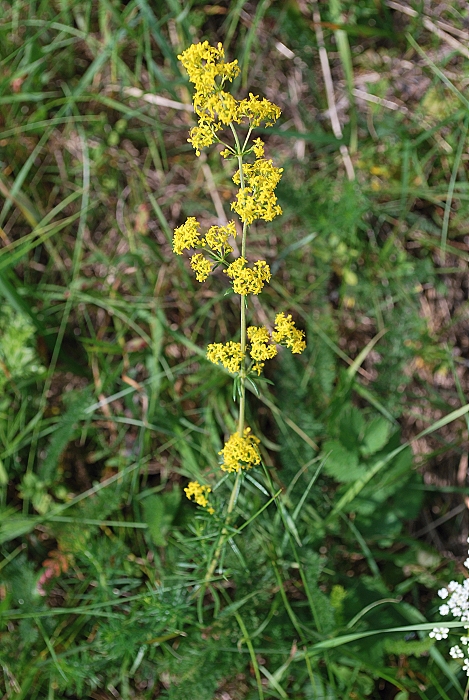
[[329, 85]]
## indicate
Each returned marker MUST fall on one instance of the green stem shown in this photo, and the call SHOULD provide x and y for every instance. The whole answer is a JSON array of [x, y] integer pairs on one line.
[[224, 532], [247, 138], [242, 373], [242, 381]]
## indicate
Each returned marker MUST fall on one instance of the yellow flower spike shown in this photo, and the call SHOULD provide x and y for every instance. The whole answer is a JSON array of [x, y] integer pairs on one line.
[[217, 237], [240, 452], [204, 63], [198, 493], [248, 280], [201, 266], [287, 334], [257, 200], [228, 354], [187, 236]]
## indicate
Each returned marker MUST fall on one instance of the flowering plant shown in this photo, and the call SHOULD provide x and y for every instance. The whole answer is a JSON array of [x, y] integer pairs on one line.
[[217, 110]]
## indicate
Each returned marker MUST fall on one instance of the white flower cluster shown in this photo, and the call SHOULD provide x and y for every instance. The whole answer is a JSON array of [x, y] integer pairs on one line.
[[439, 633], [456, 596]]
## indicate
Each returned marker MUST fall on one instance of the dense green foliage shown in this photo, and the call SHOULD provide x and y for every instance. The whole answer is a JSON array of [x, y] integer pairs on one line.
[[108, 406]]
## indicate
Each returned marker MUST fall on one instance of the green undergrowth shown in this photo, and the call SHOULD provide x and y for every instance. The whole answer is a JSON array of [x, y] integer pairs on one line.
[[108, 406]]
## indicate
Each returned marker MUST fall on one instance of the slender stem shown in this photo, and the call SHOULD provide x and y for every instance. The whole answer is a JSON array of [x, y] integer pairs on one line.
[[224, 532], [242, 373], [247, 138], [242, 379]]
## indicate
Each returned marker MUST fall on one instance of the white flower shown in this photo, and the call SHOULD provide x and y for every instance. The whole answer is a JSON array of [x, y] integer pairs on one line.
[[440, 633], [452, 585], [466, 666], [464, 640], [443, 593], [456, 653], [444, 610], [466, 563]]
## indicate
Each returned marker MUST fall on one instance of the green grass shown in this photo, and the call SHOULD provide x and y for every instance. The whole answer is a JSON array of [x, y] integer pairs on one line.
[[108, 406]]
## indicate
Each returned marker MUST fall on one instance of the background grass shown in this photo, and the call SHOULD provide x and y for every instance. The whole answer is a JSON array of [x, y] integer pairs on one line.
[[108, 406]]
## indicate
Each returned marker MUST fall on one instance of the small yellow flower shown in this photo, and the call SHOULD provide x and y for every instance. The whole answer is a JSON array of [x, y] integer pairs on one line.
[[260, 348], [201, 266], [187, 236], [240, 452], [217, 237], [287, 334], [248, 280], [257, 200], [229, 354], [197, 492], [258, 148]]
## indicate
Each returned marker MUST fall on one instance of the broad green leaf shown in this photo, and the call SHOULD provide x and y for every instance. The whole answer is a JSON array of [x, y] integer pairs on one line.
[[376, 435], [340, 463]]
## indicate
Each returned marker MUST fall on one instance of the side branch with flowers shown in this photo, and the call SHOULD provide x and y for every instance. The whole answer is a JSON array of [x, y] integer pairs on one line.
[[257, 177]]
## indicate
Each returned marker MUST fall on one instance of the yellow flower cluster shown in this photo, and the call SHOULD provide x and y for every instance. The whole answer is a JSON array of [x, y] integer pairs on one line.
[[202, 136], [240, 452], [217, 237], [258, 148], [257, 200], [220, 108], [261, 349], [187, 236], [257, 111], [201, 266], [287, 334], [247, 280], [216, 108], [229, 354], [204, 64], [198, 493]]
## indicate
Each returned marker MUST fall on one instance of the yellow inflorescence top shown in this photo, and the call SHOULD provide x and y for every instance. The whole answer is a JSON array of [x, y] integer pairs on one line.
[[204, 64]]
